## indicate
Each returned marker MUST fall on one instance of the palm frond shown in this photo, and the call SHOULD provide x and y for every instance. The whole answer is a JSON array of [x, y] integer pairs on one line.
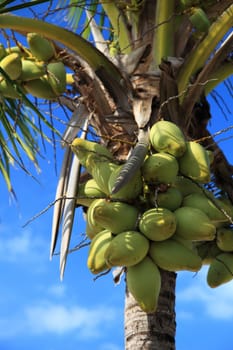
[[5, 9], [19, 133], [19, 141], [121, 34], [220, 75], [200, 54], [77, 19], [214, 63], [100, 43]]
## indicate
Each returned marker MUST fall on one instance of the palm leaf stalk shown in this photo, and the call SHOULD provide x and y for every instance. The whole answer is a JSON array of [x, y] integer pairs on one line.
[[217, 77], [71, 40], [118, 21], [164, 33], [201, 53]]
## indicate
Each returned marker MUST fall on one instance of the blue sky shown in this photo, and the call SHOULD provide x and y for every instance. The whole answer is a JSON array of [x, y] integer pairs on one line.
[[37, 311]]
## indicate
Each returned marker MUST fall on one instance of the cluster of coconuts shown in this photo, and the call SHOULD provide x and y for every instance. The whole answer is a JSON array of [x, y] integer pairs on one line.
[[163, 218], [36, 69]]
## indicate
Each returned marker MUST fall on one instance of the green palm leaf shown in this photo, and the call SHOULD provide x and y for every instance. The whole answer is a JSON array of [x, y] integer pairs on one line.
[[76, 16], [5, 9], [19, 133]]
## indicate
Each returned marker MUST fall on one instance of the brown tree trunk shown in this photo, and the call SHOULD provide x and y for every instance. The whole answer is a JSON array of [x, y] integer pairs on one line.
[[155, 331]]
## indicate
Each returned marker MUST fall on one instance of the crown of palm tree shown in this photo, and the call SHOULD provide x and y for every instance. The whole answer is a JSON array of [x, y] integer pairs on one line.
[[146, 61]]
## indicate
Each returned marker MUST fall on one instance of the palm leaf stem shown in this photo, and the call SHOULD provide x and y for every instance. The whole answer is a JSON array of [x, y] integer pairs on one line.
[[71, 40], [100, 43], [163, 45], [197, 88], [198, 57], [217, 77], [119, 27], [97, 61]]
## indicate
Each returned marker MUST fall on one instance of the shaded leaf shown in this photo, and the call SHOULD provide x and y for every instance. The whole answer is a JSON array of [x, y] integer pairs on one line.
[[69, 207], [134, 162], [59, 199]]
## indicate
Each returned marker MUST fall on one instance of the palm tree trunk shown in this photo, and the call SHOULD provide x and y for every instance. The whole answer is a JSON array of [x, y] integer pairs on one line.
[[155, 331]]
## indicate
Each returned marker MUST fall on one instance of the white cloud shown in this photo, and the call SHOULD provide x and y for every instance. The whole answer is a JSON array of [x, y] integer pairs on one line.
[[58, 319], [22, 246], [216, 303], [57, 290], [110, 346]]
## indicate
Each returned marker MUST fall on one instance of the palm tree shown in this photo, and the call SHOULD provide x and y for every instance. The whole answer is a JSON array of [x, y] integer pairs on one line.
[[149, 60]]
